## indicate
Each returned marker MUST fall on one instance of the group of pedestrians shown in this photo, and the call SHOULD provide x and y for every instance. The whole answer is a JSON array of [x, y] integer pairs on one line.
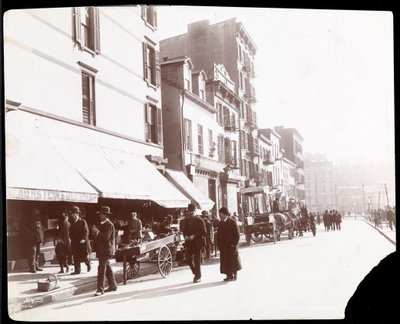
[[332, 220], [379, 216], [196, 234]]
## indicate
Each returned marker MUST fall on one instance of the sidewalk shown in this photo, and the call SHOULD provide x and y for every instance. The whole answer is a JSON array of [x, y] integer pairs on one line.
[[384, 230], [22, 286]]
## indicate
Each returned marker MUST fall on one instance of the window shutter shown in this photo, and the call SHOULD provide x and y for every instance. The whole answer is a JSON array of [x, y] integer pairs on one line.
[[145, 76], [155, 16], [159, 126], [190, 136], [143, 12], [147, 117], [158, 70], [76, 13], [96, 29]]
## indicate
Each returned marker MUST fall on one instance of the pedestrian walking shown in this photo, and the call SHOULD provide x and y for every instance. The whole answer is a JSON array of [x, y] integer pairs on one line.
[[318, 219], [80, 245], [194, 230], [390, 217], [325, 220], [338, 221], [228, 240], [104, 244], [33, 236], [63, 243]]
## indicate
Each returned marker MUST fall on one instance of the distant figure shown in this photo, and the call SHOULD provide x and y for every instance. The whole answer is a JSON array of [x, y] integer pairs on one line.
[[164, 228], [318, 219], [275, 206], [228, 240], [33, 236], [207, 222], [63, 243], [134, 228], [338, 221], [391, 218]]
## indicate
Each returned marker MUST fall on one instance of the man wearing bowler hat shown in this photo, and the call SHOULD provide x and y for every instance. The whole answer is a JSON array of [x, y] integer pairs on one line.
[[104, 244], [80, 245]]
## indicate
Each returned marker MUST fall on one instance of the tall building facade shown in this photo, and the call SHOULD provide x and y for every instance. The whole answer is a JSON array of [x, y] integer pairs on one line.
[[226, 43], [292, 144], [321, 192], [83, 117]]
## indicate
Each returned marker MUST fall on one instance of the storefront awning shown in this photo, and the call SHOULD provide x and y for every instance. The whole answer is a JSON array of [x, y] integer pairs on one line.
[[182, 182], [121, 175], [36, 171]]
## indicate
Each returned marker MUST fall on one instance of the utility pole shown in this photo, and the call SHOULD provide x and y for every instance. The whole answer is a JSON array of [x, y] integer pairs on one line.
[[379, 200], [387, 197], [363, 197]]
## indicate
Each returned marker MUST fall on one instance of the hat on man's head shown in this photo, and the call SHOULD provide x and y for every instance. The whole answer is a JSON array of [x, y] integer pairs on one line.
[[75, 209], [224, 210], [105, 210], [191, 207]]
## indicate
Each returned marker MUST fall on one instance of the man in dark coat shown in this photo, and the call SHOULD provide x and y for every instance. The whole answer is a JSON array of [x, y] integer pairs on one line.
[[228, 240], [275, 206], [80, 245], [104, 243], [33, 236], [390, 217], [194, 230]]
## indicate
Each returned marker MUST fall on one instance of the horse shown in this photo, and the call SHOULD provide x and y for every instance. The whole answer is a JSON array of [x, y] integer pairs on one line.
[[284, 222]]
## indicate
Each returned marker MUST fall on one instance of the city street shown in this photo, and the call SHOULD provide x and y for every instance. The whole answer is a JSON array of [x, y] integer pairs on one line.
[[307, 277]]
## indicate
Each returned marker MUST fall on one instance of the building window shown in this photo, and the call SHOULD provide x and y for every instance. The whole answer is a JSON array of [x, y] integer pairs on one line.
[[200, 139], [188, 135], [220, 148], [88, 99], [153, 124], [234, 153], [149, 15], [87, 28], [211, 144], [151, 65], [188, 77]]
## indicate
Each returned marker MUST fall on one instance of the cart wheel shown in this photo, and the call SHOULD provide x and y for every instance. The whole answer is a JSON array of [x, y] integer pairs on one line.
[[164, 261], [256, 237], [132, 269], [248, 239]]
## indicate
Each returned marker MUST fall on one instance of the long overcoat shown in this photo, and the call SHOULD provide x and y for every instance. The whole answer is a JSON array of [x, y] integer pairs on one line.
[[104, 242], [78, 231], [228, 239]]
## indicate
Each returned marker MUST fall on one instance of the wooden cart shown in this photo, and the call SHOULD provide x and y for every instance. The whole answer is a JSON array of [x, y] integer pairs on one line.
[[160, 250]]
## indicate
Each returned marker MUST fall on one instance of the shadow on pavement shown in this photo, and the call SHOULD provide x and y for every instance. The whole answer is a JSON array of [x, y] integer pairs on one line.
[[118, 297]]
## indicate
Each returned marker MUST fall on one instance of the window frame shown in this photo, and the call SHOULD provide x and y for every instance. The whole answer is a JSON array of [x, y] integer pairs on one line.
[[153, 124], [91, 97], [152, 71], [144, 10], [188, 143], [94, 29]]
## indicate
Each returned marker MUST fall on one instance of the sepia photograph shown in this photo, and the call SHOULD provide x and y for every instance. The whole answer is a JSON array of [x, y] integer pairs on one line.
[[181, 162]]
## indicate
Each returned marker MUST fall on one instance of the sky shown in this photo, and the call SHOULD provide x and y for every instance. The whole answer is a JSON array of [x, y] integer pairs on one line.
[[328, 73]]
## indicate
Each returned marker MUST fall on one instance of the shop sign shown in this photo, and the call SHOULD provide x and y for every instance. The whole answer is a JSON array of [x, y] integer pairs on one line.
[[49, 195]]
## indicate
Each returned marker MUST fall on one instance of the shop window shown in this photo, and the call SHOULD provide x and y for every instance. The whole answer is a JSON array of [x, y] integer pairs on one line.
[[153, 124], [200, 139], [188, 135], [149, 15], [88, 99], [87, 28], [151, 65]]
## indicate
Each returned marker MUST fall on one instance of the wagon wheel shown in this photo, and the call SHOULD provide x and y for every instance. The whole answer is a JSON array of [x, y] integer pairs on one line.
[[132, 269], [164, 261], [256, 236]]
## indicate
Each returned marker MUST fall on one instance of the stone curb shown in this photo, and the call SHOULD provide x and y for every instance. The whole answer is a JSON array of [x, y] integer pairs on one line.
[[381, 232]]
